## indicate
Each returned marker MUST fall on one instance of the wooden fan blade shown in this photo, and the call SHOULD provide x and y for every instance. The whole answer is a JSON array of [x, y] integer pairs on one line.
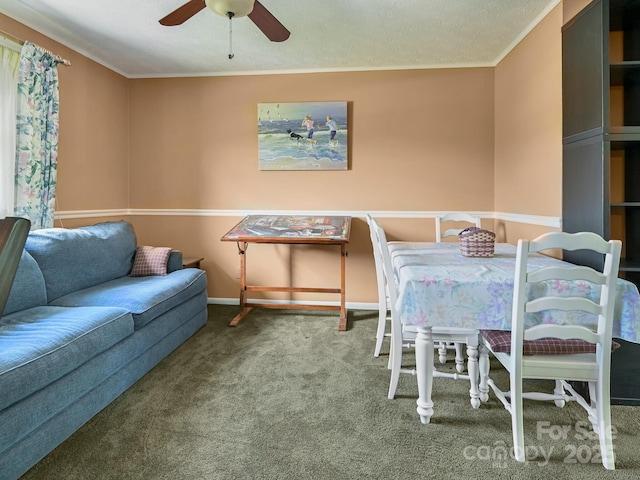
[[182, 14], [270, 26]]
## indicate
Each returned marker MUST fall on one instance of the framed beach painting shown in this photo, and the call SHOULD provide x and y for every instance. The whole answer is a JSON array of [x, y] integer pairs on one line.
[[302, 136]]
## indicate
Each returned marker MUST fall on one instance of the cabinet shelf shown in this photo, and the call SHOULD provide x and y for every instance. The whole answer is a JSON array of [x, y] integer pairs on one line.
[[620, 11], [620, 135], [624, 73], [629, 265]]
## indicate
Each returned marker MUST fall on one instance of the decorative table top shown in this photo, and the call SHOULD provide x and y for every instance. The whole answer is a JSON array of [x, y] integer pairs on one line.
[[290, 229]]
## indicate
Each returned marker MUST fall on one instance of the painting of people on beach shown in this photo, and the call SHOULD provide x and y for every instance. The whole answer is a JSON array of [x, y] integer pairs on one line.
[[302, 136]]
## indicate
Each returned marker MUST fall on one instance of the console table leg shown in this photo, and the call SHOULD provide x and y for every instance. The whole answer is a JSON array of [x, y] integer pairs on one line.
[[245, 309], [342, 326], [239, 317]]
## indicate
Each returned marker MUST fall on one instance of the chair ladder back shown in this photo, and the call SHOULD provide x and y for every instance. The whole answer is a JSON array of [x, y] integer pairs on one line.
[[564, 332], [519, 302], [383, 291], [603, 307], [396, 345], [567, 273], [570, 241], [387, 267], [377, 258], [454, 217], [565, 304]]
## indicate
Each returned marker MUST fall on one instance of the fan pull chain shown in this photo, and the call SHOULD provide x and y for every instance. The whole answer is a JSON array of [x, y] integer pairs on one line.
[[230, 15]]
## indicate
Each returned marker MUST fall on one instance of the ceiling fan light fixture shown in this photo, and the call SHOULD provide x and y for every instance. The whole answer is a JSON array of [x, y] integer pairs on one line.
[[239, 8]]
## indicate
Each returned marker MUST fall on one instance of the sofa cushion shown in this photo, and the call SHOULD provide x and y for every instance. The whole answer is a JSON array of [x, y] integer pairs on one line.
[[150, 261], [145, 297], [77, 258], [28, 289], [42, 344]]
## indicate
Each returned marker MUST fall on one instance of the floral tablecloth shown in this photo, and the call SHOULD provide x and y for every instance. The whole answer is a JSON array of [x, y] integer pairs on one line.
[[440, 287]]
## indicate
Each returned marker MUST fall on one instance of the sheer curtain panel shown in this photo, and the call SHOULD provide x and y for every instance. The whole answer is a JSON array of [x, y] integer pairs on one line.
[[9, 60]]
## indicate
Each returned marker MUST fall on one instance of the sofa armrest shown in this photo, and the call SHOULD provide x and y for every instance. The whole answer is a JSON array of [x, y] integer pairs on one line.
[[175, 261]]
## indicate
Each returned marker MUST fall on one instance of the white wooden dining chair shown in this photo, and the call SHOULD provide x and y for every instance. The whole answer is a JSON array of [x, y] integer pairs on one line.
[[559, 352], [457, 218], [384, 315], [384, 318], [453, 219], [403, 336]]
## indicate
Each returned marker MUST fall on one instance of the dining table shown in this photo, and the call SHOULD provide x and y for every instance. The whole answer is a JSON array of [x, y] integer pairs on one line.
[[439, 287]]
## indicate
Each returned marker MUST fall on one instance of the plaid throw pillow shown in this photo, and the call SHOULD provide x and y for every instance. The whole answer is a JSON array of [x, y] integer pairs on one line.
[[500, 341], [150, 261]]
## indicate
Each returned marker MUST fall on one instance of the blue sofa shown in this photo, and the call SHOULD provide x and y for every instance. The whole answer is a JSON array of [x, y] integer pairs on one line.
[[77, 331]]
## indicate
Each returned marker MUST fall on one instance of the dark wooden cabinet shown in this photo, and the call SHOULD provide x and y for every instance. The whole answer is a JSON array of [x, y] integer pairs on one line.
[[601, 147]]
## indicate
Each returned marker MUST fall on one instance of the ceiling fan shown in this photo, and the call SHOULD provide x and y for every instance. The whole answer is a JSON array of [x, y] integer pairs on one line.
[[263, 19]]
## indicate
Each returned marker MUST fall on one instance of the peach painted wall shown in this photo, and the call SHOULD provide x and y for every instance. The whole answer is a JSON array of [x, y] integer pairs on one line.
[[528, 128], [528, 125], [420, 140], [414, 134], [571, 7]]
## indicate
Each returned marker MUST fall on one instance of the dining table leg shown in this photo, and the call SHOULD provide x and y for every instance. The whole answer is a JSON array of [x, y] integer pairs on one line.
[[483, 366], [472, 368], [424, 373]]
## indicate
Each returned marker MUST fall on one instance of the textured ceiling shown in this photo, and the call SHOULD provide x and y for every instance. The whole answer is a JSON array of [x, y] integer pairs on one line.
[[327, 35]]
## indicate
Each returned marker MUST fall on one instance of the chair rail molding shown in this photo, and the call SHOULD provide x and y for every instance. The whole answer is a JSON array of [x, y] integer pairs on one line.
[[543, 220]]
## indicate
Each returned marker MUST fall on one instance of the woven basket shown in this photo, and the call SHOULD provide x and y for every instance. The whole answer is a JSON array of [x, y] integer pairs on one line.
[[476, 242]]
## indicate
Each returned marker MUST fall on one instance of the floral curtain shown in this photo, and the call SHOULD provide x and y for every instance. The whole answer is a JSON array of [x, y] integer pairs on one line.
[[37, 136], [9, 60]]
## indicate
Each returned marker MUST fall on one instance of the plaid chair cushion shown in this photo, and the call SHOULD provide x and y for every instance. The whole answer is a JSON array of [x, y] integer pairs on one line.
[[150, 261], [500, 341]]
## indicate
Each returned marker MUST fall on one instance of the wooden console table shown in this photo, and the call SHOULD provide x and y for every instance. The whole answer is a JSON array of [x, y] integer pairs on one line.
[[191, 262], [286, 229]]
